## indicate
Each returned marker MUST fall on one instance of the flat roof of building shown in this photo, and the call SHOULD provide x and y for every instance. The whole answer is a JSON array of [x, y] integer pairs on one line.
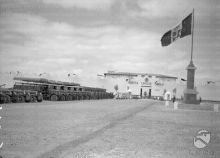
[[136, 74]]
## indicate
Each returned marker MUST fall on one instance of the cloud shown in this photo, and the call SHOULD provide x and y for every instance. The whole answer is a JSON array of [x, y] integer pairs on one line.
[[172, 8], [60, 48], [33, 45], [85, 4], [161, 8]]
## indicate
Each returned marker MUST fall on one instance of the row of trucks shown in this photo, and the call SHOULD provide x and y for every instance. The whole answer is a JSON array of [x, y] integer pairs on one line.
[[10, 95], [28, 89]]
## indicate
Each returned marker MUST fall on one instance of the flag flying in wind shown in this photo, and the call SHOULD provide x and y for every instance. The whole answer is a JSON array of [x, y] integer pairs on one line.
[[181, 30]]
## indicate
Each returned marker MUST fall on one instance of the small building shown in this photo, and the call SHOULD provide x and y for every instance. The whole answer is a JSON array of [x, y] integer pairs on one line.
[[140, 84]]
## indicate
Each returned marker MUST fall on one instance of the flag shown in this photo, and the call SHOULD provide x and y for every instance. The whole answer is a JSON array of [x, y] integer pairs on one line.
[[181, 30]]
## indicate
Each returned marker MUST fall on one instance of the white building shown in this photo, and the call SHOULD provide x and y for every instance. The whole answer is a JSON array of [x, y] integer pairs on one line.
[[141, 84]]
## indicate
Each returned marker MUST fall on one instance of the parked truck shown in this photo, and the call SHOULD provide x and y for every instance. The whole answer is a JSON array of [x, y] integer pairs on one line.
[[11, 95], [60, 91]]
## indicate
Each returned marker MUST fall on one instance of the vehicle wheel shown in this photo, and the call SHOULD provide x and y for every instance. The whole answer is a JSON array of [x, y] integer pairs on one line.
[[74, 97], [7, 99], [79, 97], [53, 97], [82, 97], [14, 99], [62, 98], [69, 97], [2, 99], [27, 98], [39, 98], [21, 99], [33, 99]]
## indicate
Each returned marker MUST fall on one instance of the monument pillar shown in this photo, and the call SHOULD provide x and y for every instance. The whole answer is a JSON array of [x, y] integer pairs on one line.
[[190, 93]]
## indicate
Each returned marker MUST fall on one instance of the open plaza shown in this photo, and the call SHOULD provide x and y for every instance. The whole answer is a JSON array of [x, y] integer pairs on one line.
[[108, 128]]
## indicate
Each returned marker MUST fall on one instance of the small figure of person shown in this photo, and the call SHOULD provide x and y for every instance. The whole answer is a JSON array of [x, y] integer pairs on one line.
[[200, 99], [174, 99]]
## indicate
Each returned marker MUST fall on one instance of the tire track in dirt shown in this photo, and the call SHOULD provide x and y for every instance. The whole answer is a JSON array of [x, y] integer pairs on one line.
[[54, 153]]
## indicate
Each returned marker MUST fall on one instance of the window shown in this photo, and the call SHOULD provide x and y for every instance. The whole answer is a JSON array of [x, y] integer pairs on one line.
[[69, 88], [62, 87]]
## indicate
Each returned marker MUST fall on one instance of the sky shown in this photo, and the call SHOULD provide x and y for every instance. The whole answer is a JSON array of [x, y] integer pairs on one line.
[[90, 37]]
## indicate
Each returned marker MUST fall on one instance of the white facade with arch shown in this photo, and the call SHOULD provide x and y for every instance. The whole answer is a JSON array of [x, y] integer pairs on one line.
[[141, 84]]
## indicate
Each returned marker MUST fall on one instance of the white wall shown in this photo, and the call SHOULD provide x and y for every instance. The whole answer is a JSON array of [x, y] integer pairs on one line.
[[136, 83]]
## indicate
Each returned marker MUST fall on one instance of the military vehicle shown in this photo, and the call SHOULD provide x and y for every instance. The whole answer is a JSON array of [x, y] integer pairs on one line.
[[8, 95], [60, 91]]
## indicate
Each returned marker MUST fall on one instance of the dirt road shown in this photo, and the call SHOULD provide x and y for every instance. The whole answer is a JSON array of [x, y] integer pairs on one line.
[[104, 128]]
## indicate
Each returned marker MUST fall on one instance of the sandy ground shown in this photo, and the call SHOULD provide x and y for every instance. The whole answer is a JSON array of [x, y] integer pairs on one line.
[[106, 128]]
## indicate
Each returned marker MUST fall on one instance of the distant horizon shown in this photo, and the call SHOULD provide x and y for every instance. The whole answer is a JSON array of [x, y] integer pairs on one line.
[[10, 76], [206, 91]]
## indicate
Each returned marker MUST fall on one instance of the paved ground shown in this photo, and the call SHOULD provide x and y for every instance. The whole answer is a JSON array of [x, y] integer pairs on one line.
[[106, 128]]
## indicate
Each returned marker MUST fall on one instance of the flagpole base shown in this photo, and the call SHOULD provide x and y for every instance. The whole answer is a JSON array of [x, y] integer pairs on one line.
[[190, 96], [190, 93]]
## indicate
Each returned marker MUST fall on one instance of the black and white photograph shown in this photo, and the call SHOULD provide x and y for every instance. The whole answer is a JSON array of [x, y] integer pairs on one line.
[[109, 78]]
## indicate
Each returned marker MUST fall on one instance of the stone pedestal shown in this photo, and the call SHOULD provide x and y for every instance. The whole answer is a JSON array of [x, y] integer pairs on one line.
[[190, 96], [190, 92]]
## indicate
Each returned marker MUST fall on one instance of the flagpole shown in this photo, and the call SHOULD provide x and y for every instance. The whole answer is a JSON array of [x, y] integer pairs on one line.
[[192, 29], [190, 93]]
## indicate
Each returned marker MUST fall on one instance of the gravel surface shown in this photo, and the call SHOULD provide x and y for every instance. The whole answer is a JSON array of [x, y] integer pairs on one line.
[[105, 128]]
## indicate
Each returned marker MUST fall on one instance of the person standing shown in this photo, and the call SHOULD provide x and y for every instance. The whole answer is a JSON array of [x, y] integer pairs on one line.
[[174, 99]]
